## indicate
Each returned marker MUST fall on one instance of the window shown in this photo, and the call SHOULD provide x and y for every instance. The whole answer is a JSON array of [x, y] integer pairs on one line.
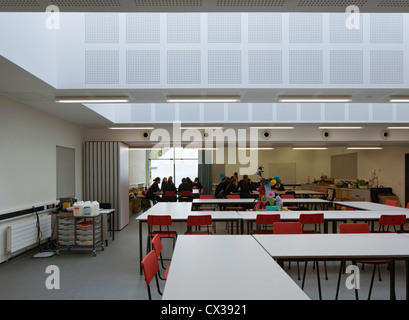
[[176, 162]]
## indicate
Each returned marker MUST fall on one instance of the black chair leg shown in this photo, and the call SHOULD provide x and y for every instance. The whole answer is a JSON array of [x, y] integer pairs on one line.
[[371, 285], [341, 267]]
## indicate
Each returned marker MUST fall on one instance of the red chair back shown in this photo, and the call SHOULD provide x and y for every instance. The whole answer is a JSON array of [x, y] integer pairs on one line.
[[407, 205], [233, 196], [157, 245], [311, 218], [354, 228], [392, 220], [393, 203], [267, 218], [206, 196], [150, 266], [170, 194], [185, 193], [287, 228], [287, 196], [159, 220], [199, 220]]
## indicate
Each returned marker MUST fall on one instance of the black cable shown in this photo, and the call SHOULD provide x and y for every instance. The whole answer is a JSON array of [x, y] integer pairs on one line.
[[39, 233]]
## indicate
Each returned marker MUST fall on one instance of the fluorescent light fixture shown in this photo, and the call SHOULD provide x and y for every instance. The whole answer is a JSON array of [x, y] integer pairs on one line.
[[261, 148], [131, 128], [205, 99], [111, 99], [200, 128], [364, 148], [310, 148], [399, 99], [398, 128], [272, 128], [314, 99], [144, 149], [340, 128]]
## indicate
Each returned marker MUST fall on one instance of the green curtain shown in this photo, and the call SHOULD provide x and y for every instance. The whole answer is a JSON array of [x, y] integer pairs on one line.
[[205, 170]]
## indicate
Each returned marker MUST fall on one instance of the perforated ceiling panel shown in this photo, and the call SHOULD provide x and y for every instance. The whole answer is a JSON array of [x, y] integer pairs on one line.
[[168, 3], [305, 27], [265, 66], [331, 3], [143, 67], [184, 67], [264, 27], [224, 67], [346, 67], [101, 28], [87, 3], [183, 28], [386, 28], [306, 67], [250, 3], [102, 67], [143, 28], [19, 3], [386, 67]]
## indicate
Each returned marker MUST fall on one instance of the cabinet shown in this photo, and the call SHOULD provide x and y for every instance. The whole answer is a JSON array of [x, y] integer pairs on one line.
[[79, 232]]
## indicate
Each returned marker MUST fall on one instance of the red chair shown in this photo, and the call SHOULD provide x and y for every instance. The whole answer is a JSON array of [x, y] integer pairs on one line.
[[393, 203], [169, 196], [198, 221], [407, 205], [206, 196], [160, 221], [295, 228], [233, 196], [185, 196], [317, 219], [150, 267], [289, 196], [157, 247], [287, 228], [312, 218], [387, 220], [359, 228], [265, 220]]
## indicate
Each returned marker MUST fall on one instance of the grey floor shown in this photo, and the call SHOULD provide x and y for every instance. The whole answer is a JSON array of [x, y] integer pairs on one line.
[[114, 274]]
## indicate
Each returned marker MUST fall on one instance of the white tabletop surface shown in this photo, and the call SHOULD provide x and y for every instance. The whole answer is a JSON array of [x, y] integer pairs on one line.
[[223, 201], [226, 267], [372, 245], [370, 214], [181, 210], [293, 215], [366, 205]]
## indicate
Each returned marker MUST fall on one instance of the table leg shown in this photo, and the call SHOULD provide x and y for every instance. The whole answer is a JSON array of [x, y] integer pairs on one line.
[[407, 278], [140, 246], [392, 281]]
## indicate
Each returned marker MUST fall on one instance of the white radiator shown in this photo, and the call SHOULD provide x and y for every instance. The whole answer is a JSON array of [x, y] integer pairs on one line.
[[24, 233]]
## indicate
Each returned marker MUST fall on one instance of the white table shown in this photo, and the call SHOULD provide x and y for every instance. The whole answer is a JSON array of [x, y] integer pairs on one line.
[[333, 216], [222, 202], [366, 205], [339, 247], [226, 267], [179, 211]]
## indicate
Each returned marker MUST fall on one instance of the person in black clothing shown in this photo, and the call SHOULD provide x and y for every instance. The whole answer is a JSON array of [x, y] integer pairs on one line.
[[184, 186], [169, 186], [244, 187], [231, 188], [154, 188], [164, 182], [197, 184], [221, 187]]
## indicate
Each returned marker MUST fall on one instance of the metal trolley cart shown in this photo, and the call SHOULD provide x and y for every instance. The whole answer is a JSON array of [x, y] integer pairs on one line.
[[79, 232]]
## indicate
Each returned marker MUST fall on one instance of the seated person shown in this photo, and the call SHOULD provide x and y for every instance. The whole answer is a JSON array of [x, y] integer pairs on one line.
[[152, 191]]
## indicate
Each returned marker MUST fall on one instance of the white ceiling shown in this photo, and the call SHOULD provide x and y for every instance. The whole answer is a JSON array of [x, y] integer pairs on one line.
[[205, 5], [17, 84]]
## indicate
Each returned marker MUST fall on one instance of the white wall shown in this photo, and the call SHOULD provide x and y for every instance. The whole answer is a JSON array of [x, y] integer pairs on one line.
[[28, 140], [313, 164]]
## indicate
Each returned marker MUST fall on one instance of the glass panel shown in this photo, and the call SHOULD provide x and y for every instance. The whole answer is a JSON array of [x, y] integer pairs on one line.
[[184, 169]]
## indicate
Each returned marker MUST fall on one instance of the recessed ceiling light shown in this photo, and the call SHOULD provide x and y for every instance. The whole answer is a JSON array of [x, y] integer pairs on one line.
[[111, 99], [131, 128], [364, 148], [399, 99], [314, 99], [340, 128], [310, 148], [200, 128], [398, 128], [205, 99], [256, 148]]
